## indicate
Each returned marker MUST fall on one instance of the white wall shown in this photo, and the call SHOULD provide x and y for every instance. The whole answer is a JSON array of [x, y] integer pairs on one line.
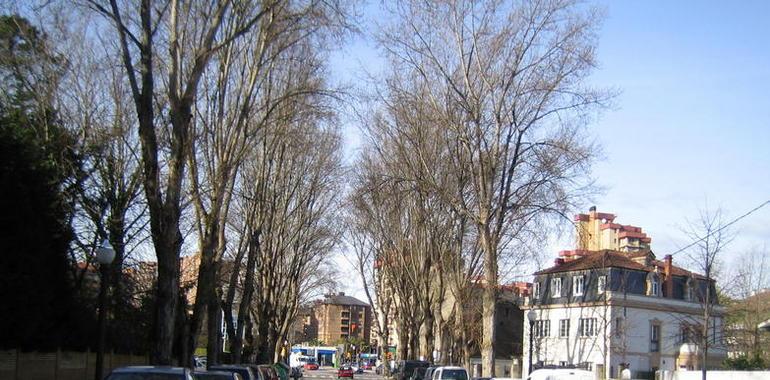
[[571, 349], [722, 375], [632, 346]]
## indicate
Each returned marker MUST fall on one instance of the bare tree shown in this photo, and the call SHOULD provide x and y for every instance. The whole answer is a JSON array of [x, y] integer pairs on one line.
[[505, 82], [710, 236], [749, 305], [192, 33]]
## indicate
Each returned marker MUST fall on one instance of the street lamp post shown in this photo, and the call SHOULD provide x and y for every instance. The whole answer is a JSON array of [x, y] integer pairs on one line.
[[104, 255], [531, 316]]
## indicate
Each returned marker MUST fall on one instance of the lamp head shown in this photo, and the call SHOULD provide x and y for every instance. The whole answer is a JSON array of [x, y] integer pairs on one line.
[[105, 254]]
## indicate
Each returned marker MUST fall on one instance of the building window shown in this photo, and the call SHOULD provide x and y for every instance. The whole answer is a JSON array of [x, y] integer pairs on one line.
[[690, 333], [655, 338], [688, 288], [601, 284], [587, 327], [536, 290], [556, 287], [618, 326], [564, 328], [542, 328], [577, 285]]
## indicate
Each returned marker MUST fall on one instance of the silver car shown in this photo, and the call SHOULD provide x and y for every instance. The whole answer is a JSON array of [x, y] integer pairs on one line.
[[150, 373]]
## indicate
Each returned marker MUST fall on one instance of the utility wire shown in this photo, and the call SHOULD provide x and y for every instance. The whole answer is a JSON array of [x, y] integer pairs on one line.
[[765, 203]]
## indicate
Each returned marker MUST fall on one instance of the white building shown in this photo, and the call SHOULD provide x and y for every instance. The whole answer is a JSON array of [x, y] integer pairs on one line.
[[608, 310]]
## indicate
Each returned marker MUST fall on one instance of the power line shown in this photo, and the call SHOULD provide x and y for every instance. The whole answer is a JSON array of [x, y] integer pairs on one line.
[[765, 203]]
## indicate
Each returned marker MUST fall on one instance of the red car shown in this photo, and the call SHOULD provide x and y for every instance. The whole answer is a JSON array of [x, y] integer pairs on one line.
[[311, 366], [345, 372]]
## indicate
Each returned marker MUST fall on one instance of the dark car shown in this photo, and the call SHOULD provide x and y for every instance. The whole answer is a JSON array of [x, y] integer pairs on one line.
[[345, 372], [217, 375], [405, 368], [282, 370], [295, 373], [418, 374], [245, 372], [150, 373], [428, 373], [267, 372]]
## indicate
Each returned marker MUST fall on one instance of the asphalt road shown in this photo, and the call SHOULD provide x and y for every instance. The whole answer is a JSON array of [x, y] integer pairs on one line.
[[327, 373]]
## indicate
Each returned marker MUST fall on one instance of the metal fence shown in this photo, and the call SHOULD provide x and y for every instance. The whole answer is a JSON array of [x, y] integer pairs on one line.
[[60, 365]]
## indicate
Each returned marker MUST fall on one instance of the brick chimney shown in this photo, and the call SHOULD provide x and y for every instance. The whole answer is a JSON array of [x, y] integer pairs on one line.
[[558, 261], [669, 284]]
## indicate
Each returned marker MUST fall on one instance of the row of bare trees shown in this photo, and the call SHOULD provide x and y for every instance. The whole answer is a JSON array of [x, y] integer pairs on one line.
[[476, 139], [206, 127]]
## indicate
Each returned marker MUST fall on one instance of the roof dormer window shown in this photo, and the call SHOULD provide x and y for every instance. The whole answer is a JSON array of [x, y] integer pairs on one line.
[[653, 284]]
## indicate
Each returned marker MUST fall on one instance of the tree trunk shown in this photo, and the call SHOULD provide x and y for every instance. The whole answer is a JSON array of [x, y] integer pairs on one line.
[[166, 305], [214, 326], [489, 301], [414, 341], [403, 340], [246, 295], [428, 335]]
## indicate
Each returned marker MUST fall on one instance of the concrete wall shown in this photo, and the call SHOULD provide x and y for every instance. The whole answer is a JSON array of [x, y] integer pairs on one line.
[[60, 365], [719, 375]]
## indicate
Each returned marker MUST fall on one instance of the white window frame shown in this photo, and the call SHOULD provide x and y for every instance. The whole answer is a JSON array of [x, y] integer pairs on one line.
[[564, 328], [655, 337], [556, 287], [536, 290], [587, 327], [601, 284], [578, 284], [542, 328]]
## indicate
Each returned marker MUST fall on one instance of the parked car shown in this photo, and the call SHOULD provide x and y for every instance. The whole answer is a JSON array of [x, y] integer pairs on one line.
[[404, 368], [150, 373], [428, 375], [267, 372], [345, 372], [561, 374], [216, 375], [450, 373], [418, 374], [200, 362], [282, 369], [245, 372], [368, 366], [311, 366]]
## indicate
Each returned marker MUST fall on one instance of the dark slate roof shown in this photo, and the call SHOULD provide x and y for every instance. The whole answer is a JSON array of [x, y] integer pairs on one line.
[[342, 299], [615, 259]]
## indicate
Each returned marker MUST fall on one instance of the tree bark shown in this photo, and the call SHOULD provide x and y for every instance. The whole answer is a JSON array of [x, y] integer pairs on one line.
[[489, 301]]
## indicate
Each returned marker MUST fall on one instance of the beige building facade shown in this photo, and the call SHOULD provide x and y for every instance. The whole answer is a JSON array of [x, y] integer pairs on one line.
[[341, 318]]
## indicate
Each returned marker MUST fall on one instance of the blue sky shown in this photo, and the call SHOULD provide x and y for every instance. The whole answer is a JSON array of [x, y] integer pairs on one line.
[[692, 123]]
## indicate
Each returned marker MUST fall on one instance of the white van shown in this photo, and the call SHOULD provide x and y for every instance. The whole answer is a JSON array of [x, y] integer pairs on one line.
[[561, 374], [449, 373]]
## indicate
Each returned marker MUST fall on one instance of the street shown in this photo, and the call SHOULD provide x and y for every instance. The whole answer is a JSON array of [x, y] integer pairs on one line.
[[331, 373]]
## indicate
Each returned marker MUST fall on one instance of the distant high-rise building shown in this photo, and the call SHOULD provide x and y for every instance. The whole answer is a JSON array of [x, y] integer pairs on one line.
[[598, 230], [341, 317]]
